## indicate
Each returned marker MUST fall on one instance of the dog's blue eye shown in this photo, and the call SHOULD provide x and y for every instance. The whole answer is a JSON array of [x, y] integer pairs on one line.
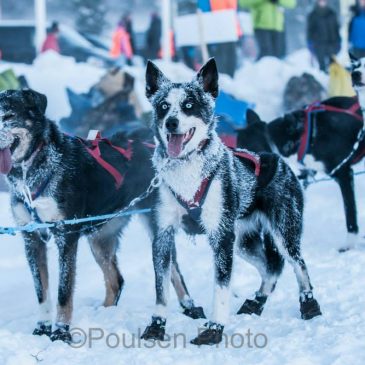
[[188, 105], [165, 106]]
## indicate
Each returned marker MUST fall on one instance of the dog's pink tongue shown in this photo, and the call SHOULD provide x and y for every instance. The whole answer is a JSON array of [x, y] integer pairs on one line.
[[5, 161], [175, 145]]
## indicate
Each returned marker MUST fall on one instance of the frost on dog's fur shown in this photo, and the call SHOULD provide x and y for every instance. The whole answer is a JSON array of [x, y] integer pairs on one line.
[[261, 215]]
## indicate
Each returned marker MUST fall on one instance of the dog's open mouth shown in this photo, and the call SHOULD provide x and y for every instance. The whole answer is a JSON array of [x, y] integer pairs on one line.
[[6, 141], [177, 142]]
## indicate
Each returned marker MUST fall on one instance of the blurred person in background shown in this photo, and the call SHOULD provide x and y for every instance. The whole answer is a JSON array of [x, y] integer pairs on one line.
[[127, 19], [225, 53], [121, 48], [268, 22], [51, 41], [357, 30], [153, 38], [323, 33]]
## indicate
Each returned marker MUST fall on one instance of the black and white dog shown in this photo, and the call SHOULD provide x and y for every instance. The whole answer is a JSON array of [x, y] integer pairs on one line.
[[358, 78], [331, 140], [53, 177], [203, 183]]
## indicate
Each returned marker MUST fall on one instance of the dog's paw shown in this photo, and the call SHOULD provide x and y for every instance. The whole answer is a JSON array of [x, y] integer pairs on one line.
[[62, 333], [255, 306], [156, 330], [212, 335], [194, 312], [43, 328], [309, 307]]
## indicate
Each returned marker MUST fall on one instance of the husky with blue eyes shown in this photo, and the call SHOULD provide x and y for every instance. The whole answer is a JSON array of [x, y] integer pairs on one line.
[[252, 204]]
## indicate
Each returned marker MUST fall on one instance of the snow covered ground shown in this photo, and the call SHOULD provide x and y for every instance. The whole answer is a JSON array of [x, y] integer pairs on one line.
[[336, 338]]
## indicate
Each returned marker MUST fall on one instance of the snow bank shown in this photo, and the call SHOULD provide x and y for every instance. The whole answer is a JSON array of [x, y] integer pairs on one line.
[[51, 74], [261, 83]]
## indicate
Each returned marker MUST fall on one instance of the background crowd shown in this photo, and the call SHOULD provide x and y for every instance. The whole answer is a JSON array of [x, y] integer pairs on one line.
[[268, 19]]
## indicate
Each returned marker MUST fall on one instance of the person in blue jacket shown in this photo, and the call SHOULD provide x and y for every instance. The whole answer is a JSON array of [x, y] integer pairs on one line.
[[357, 30]]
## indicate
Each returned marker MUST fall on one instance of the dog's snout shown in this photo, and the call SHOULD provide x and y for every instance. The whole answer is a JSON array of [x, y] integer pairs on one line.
[[356, 76], [172, 123]]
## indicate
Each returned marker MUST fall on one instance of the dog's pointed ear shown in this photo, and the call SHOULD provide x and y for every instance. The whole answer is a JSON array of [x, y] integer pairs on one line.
[[154, 79], [353, 58], [35, 101], [208, 78], [252, 117]]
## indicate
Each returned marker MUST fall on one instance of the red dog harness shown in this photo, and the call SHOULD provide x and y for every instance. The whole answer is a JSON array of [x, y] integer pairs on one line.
[[94, 151], [194, 206], [308, 123]]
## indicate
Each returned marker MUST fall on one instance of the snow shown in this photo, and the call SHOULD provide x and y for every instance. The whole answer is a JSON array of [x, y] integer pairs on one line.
[[336, 338], [52, 73]]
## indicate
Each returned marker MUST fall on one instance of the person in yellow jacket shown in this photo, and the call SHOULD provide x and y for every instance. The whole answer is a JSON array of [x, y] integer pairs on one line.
[[268, 22]]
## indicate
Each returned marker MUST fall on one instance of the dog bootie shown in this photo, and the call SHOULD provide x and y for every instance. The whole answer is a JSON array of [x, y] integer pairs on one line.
[[194, 312], [62, 333], [156, 330], [190, 310], [210, 336], [309, 307], [43, 328], [255, 306]]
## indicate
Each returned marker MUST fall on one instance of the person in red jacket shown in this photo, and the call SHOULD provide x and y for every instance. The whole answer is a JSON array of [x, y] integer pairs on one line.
[[121, 44], [51, 41]]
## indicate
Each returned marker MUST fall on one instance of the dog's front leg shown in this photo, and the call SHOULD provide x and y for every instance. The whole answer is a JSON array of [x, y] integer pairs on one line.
[[67, 249], [162, 252], [222, 245], [36, 252]]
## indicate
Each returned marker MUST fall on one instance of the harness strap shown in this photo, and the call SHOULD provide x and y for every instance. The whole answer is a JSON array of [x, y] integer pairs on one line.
[[94, 151], [250, 156], [194, 206], [36, 194], [319, 107]]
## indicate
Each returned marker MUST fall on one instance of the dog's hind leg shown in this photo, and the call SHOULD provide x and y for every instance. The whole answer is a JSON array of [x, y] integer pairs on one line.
[[258, 248], [36, 253], [288, 242], [67, 250], [104, 245], [345, 179], [104, 251], [186, 302]]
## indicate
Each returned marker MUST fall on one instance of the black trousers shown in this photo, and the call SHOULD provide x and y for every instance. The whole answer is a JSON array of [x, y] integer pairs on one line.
[[226, 56], [271, 43], [324, 53]]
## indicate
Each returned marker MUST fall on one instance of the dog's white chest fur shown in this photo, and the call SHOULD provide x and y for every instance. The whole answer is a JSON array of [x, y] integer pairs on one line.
[[185, 178], [46, 207]]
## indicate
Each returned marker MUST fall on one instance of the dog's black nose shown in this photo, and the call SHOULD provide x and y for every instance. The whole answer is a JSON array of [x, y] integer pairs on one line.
[[171, 124]]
